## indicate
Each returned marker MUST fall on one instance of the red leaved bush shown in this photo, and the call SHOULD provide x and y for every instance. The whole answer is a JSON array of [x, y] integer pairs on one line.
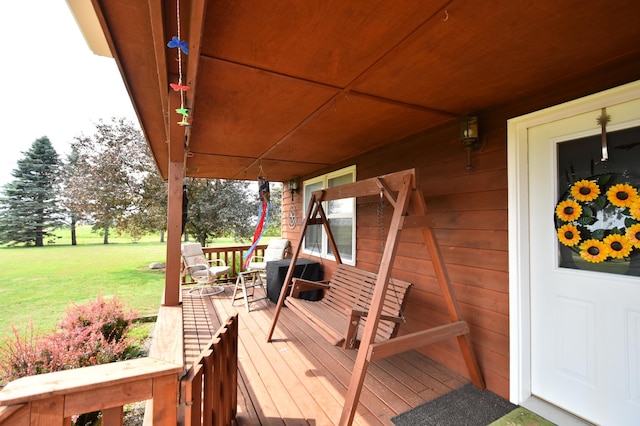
[[90, 334]]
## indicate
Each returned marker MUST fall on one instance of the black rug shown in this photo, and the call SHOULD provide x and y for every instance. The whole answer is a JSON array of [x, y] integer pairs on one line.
[[466, 406]]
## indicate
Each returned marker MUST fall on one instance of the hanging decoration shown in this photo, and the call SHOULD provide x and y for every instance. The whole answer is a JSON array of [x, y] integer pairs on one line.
[[182, 47], [263, 216], [599, 218], [602, 121]]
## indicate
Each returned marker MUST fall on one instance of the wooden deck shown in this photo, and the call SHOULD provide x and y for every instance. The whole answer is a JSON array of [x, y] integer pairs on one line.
[[299, 379]]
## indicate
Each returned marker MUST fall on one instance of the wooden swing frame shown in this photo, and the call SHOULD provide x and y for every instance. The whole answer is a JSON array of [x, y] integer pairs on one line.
[[410, 212]]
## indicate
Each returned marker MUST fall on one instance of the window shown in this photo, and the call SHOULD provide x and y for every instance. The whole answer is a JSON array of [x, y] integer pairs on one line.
[[340, 214]]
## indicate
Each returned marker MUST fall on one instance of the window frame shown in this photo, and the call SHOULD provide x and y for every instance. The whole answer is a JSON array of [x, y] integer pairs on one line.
[[323, 180]]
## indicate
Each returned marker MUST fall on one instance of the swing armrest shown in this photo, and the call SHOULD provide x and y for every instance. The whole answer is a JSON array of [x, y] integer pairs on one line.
[[359, 313], [300, 285]]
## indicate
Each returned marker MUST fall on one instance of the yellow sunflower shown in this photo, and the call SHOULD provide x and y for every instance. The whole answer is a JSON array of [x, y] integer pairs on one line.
[[622, 195], [585, 190], [634, 208], [633, 234], [568, 210], [594, 251], [569, 235], [619, 246]]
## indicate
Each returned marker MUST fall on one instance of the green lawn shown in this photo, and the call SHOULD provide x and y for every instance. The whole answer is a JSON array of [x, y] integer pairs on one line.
[[38, 283]]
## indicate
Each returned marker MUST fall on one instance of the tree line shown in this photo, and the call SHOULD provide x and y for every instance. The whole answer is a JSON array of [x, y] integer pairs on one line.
[[109, 180]]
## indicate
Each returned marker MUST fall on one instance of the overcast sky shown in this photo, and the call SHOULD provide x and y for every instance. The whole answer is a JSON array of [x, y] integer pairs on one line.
[[52, 84]]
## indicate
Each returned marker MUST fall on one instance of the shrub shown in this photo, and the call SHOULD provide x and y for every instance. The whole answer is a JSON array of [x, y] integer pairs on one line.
[[90, 334], [108, 317]]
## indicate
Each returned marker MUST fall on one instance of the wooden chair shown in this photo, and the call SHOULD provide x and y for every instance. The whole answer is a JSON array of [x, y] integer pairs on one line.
[[204, 273], [341, 314]]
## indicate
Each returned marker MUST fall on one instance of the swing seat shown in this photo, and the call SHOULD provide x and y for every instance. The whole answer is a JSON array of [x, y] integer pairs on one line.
[[341, 314]]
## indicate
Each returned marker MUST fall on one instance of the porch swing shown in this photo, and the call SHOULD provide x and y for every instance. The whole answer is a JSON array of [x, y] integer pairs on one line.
[[410, 212]]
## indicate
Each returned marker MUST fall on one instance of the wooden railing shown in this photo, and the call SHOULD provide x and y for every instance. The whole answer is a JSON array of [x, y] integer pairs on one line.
[[232, 256], [175, 394], [205, 393], [53, 398], [209, 389]]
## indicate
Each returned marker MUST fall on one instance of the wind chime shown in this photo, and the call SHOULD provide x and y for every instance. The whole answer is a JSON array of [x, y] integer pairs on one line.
[[182, 47]]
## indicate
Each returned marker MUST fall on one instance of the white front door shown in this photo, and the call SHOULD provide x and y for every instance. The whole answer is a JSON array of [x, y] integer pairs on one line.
[[584, 325]]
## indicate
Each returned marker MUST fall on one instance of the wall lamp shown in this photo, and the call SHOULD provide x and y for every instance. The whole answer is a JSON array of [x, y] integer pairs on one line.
[[469, 137], [293, 187]]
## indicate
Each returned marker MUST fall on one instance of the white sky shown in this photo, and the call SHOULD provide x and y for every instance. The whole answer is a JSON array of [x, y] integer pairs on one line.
[[52, 84]]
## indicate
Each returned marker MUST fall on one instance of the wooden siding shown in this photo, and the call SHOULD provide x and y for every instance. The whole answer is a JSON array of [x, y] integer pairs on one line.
[[470, 211], [471, 223]]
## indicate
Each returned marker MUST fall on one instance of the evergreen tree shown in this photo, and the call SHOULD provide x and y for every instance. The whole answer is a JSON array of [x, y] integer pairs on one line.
[[28, 209]]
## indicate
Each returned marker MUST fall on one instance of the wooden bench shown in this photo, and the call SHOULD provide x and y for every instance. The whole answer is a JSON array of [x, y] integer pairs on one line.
[[341, 314]]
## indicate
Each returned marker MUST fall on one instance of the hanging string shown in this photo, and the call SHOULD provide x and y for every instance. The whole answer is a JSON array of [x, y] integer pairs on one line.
[[183, 47]]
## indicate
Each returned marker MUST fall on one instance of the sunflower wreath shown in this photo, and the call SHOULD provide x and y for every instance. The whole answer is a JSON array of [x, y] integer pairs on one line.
[[600, 219]]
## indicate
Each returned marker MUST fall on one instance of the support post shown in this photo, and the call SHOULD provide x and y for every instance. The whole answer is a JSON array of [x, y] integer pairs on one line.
[[373, 319], [172, 294], [174, 235]]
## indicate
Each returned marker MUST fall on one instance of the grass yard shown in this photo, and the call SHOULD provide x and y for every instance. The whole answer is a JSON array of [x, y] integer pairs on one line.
[[39, 283]]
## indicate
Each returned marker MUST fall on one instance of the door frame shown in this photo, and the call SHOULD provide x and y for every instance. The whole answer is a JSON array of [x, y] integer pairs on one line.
[[518, 222]]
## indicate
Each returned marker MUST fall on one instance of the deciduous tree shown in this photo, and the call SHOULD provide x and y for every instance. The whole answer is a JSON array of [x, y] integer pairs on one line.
[[220, 208], [112, 163]]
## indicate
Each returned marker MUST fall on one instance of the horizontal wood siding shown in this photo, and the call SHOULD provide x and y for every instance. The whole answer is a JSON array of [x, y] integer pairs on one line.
[[470, 212]]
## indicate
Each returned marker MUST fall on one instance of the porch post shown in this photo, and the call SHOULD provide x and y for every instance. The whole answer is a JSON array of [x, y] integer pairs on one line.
[[174, 208], [174, 235]]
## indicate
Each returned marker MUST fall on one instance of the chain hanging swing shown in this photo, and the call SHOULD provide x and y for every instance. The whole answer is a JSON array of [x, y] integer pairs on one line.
[[381, 236]]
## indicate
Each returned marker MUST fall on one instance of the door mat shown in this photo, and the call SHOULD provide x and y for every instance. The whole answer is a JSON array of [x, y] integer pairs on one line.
[[522, 417], [467, 406]]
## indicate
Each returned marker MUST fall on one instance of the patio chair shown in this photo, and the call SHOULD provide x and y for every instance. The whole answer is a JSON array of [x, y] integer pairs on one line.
[[277, 249], [204, 273], [256, 273]]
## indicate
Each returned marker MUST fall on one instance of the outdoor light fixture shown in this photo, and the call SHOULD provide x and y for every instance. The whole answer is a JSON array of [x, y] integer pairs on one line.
[[293, 187], [468, 136]]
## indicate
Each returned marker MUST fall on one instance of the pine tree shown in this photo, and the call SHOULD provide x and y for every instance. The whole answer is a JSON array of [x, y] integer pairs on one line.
[[28, 210]]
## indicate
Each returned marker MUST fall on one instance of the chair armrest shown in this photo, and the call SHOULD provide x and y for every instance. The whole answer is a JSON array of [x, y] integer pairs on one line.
[[220, 262], [197, 267], [300, 285]]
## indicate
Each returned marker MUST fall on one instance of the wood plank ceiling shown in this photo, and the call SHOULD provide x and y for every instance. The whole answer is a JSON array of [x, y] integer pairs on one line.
[[296, 85]]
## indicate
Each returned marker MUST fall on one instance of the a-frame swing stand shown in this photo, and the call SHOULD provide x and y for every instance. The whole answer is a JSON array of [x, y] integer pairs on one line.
[[410, 212]]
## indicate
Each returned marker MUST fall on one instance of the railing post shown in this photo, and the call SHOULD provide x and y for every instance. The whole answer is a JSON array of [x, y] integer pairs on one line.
[[48, 411], [165, 401]]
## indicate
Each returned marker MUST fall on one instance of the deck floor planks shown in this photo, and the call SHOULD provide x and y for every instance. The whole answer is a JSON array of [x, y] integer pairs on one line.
[[311, 394], [336, 363], [380, 385], [300, 379], [280, 370], [271, 400]]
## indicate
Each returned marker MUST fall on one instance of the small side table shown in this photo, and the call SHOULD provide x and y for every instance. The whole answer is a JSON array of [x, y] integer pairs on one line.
[[246, 283]]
